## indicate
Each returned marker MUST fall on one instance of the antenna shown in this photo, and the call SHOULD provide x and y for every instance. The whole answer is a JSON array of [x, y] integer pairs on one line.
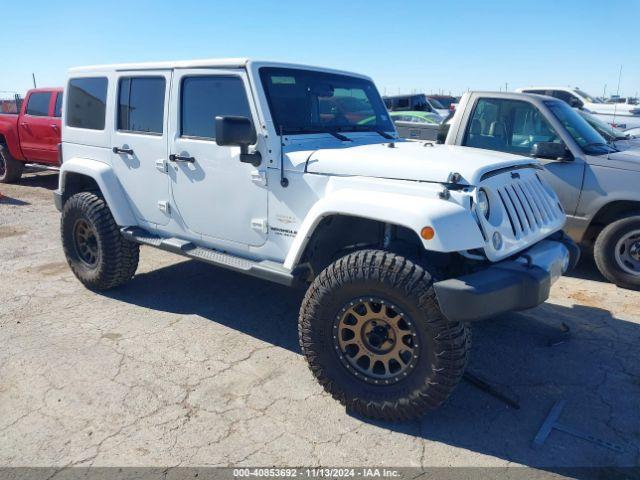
[[33, 76], [615, 105]]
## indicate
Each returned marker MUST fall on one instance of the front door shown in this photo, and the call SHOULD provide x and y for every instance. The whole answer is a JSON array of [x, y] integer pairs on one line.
[[39, 131], [139, 142], [514, 126], [215, 194]]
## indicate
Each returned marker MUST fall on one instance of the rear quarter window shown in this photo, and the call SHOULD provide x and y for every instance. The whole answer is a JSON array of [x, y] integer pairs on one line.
[[86, 103]]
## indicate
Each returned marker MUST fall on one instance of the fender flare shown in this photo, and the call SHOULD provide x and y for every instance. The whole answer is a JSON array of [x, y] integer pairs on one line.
[[455, 227], [108, 183]]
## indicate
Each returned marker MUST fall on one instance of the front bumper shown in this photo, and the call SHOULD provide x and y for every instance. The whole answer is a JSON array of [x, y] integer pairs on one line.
[[515, 284]]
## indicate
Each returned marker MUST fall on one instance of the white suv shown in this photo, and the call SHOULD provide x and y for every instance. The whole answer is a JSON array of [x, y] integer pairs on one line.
[[267, 169]]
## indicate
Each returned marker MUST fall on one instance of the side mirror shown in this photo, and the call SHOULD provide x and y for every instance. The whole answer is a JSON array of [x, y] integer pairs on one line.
[[550, 151], [238, 132]]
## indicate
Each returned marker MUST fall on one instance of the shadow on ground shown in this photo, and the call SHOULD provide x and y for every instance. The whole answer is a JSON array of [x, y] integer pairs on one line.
[[587, 269], [48, 180], [597, 370]]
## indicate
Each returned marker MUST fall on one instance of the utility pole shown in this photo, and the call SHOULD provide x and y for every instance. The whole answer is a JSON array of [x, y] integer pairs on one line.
[[604, 91]]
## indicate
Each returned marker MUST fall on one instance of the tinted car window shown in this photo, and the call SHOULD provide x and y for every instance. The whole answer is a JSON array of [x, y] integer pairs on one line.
[[141, 104], [38, 104], [57, 111], [86, 102], [510, 126], [564, 96], [207, 97]]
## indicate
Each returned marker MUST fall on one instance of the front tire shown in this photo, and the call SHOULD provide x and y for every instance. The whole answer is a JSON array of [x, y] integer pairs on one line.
[[376, 340], [10, 168], [617, 252], [99, 256]]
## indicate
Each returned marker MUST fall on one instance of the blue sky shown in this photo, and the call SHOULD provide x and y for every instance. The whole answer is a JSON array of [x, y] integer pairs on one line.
[[405, 46]]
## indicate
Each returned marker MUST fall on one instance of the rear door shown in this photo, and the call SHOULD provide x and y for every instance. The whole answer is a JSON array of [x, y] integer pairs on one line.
[[215, 194], [139, 142], [38, 130]]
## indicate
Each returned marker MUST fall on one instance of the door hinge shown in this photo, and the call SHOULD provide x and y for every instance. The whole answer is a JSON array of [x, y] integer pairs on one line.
[[164, 206], [161, 165], [259, 178], [259, 225]]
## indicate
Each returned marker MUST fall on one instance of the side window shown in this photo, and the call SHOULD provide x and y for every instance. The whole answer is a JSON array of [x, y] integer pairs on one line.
[[203, 98], [86, 103], [57, 111], [402, 103], [38, 104], [510, 126], [562, 95], [141, 104]]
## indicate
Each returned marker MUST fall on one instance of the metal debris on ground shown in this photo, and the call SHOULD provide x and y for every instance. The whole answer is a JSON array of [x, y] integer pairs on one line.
[[552, 423], [486, 387]]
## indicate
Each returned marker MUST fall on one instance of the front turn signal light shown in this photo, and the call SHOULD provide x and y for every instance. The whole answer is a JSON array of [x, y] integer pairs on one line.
[[427, 233]]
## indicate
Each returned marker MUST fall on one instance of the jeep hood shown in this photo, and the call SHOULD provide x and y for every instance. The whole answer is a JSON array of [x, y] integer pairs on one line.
[[418, 161]]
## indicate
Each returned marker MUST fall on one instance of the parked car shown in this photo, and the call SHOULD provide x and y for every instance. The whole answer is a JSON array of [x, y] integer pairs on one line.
[[413, 125], [417, 102], [596, 183], [620, 115], [235, 163], [634, 132], [30, 134], [618, 138]]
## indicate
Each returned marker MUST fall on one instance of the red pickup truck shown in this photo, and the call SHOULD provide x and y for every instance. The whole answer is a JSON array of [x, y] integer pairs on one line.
[[31, 135]]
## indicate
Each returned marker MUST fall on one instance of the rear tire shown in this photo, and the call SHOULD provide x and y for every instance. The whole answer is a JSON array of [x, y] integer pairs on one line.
[[396, 296], [10, 168], [99, 256], [617, 252]]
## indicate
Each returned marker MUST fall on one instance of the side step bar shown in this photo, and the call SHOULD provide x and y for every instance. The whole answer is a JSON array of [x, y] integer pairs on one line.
[[265, 269]]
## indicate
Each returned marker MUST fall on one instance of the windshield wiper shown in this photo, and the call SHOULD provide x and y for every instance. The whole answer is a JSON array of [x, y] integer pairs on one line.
[[384, 134], [364, 128], [339, 136]]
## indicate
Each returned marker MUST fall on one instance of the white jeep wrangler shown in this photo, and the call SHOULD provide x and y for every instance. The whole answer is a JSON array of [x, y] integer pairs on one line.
[[295, 174]]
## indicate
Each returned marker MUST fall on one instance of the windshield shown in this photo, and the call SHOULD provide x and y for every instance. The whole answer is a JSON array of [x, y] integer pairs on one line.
[[444, 101], [436, 104], [306, 101], [606, 130], [587, 97], [589, 140]]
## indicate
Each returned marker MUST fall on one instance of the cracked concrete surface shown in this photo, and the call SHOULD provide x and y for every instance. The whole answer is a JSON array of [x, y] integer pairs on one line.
[[189, 365]]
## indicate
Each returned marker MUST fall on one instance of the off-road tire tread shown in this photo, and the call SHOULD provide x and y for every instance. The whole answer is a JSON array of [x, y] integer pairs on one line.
[[14, 168], [120, 257], [452, 337]]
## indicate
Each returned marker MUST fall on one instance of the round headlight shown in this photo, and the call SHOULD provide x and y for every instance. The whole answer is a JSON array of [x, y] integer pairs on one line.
[[483, 203]]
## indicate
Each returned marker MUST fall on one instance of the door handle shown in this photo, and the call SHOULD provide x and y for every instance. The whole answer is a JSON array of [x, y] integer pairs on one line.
[[54, 126], [128, 151], [24, 124], [179, 158]]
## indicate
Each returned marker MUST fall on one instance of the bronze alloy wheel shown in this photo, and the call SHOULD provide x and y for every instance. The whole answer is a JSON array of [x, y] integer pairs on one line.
[[375, 340], [85, 242]]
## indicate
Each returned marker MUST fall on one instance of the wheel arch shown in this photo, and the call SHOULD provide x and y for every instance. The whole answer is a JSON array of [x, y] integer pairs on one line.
[[81, 175], [455, 227], [608, 213]]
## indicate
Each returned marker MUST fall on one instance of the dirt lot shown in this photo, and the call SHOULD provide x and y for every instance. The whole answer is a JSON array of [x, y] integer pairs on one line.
[[190, 365]]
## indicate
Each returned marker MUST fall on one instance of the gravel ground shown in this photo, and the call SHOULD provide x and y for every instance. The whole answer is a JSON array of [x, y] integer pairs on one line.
[[191, 365]]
